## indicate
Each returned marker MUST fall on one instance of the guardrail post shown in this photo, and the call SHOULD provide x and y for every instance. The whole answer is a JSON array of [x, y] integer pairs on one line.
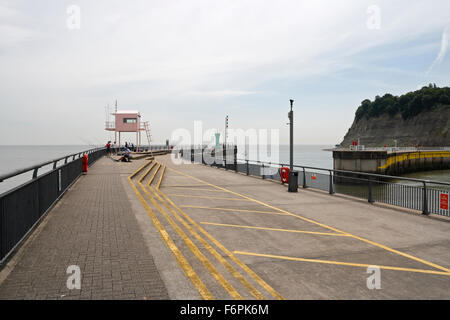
[[247, 169], [331, 190], [304, 179], [224, 156], [235, 159], [35, 172], [2, 230], [425, 200], [370, 198]]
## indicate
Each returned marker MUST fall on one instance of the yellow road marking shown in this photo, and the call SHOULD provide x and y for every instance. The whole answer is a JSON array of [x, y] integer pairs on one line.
[[160, 177], [138, 170], [341, 263], [154, 174], [238, 210], [194, 249], [219, 257], [321, 224], [191, 188], [146, 172], [205, 197], [181, 260], [260, 281], [185, 186], [274, 229]]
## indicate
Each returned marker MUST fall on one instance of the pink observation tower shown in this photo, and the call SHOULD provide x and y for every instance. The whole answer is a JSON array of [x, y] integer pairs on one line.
[[128, 121]]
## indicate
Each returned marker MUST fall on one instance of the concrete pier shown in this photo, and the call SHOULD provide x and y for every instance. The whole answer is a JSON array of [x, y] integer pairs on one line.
[[391, 162], [156, 230]]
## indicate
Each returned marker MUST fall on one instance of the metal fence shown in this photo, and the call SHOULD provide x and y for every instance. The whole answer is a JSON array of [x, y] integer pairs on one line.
[[22, 207], [390, 149], [423, 195]]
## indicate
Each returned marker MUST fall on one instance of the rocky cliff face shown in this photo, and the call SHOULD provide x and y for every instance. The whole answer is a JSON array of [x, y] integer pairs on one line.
[[427, 129]]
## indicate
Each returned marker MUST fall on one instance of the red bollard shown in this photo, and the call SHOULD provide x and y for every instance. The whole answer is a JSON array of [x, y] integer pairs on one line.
[[85, 163]]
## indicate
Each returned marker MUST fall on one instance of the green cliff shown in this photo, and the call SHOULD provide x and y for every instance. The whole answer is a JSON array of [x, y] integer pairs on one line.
[[420, 117]]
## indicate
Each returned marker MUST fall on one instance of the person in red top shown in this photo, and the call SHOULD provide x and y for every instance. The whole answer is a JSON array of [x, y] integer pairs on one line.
[[108, 148]]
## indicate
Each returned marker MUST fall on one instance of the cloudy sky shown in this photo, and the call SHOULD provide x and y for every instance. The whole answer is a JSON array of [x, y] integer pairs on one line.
[[180, 61]]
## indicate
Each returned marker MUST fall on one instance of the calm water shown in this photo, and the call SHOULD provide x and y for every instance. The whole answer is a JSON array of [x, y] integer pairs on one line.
[[17, 157]]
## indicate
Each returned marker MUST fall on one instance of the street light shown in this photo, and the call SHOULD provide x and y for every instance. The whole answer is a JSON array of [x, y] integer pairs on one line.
[[293, 175]]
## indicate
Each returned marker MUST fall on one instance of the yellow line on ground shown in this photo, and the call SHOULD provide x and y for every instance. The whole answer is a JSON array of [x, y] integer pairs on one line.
[[181, 260], [185, 186], [205, 197], [138, 170], [238, 210], [321, 224], [146, 172], [260, 281], [351, 264], [195, 250], [253, 291], [274, 229], [154, 174], [191, 188], [160, 177]]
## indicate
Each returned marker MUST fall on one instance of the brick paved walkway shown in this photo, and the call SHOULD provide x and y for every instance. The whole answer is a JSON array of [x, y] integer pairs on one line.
[[91, 227]]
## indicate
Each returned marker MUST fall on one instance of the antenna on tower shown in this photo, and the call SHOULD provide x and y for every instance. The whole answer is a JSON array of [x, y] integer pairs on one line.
[[116, 105]]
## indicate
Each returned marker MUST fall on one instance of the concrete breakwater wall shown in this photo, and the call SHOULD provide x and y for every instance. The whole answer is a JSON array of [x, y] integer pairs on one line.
[[390, 162]]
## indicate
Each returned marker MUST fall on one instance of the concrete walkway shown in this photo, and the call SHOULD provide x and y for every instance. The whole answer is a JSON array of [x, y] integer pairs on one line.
[[94, 228], [311, 245], [156, 230]]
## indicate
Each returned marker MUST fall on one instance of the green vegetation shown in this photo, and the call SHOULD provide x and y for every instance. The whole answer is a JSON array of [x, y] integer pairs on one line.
[[408, 105]]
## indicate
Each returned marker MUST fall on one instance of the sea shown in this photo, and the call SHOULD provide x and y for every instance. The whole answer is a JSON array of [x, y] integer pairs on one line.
[[13, 158]]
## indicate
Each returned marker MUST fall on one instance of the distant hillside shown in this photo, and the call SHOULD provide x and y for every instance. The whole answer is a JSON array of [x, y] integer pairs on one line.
[[419, 118]]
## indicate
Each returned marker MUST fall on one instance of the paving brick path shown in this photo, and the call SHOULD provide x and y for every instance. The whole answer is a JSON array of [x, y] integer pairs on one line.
[[91, 227]]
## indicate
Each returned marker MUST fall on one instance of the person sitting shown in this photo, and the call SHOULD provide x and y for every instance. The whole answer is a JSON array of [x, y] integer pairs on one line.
[[125, 155]]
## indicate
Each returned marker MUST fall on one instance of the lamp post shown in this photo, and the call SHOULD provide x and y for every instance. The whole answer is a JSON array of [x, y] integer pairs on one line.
[[293, 175], [291, 137]]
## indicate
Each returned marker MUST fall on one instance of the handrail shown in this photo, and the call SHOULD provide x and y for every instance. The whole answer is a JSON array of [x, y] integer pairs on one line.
[[40, 165], [353, 172]]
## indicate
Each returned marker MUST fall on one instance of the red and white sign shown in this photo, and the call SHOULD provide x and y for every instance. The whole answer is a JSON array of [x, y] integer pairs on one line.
[[443, 201]]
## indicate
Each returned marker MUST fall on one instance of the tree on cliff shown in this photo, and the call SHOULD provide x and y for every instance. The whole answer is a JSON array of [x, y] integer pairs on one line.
[[408, 105]]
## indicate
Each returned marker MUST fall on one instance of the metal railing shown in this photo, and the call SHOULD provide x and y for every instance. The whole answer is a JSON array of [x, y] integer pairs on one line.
[[110, 124], [24, 206], [390, 149], [417, 194]]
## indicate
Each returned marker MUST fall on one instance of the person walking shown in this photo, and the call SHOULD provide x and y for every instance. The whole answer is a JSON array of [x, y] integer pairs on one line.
[[108, 148]]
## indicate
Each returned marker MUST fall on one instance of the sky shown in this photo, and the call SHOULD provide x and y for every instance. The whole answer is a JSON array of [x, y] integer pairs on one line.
[[62, 62]]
